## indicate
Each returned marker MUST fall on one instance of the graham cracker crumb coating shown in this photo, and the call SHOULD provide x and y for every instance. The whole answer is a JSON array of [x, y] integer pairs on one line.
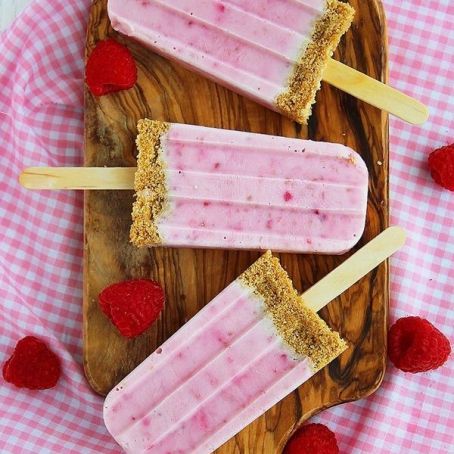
[[149, 184], [300, 327], [296, 102]]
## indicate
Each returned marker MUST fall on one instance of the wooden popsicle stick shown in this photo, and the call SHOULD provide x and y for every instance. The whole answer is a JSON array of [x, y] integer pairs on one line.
[[354, 268], [78, 178], [375, 93]]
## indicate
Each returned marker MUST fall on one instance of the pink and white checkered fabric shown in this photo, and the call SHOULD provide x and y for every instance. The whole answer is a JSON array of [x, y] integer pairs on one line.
[[41, 235]]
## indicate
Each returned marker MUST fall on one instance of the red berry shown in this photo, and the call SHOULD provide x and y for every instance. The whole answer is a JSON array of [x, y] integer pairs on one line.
[[32, 365], [415, 345], [312, 439], [441, 164], [132, 306], [110, 67]]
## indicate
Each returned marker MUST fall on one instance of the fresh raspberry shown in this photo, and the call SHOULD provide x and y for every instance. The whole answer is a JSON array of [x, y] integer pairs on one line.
[[441, 164], [132, 306], [32, 365], [110, 67], [415, 345], [312, 439]]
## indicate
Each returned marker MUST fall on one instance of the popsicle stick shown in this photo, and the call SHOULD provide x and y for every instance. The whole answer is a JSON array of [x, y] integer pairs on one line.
[[354, 268], [375, 93], [78, 178]]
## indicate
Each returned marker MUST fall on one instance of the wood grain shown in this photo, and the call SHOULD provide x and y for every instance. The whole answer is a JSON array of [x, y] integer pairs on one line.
[[375, 93], [191, 278], [78, 178]]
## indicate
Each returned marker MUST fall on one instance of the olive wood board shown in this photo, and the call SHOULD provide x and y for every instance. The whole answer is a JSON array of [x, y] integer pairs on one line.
[[191, 278]]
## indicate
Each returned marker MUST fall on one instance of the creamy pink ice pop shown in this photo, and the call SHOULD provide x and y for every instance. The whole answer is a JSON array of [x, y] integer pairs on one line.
[[214, 188], [273, 51], [240, 355]]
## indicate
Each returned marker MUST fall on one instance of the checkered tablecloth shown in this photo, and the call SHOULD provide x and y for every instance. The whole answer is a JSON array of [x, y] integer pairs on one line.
[[41, 67]]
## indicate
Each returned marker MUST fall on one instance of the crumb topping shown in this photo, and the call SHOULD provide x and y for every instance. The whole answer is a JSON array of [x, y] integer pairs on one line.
[[300, 327], [351, 159], [150, 183], [296, 101]]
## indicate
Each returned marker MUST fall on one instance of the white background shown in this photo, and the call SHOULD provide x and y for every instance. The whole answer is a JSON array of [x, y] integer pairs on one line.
[[9, 9]]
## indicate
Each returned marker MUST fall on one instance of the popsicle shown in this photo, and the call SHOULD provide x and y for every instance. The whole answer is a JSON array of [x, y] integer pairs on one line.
[[214, 188], [257, 341], [206, 187], [275, 52]]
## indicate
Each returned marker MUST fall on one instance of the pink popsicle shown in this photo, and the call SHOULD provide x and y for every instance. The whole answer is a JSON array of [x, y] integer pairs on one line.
[[273, 51], [240, 355], [214, 188]]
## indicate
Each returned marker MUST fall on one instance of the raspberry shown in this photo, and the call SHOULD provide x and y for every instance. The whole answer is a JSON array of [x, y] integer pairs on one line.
[[110, 67], [32, 365], [132, 306], [441, 164], [312, 439], [415, 345]]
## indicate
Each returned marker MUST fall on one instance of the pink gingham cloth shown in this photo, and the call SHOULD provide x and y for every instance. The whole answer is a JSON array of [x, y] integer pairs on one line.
[[41, 80]]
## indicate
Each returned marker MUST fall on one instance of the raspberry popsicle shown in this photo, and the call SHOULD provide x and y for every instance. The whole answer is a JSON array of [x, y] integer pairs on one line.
[[257, 341], [241, 354], [273, 51], [206, 187]]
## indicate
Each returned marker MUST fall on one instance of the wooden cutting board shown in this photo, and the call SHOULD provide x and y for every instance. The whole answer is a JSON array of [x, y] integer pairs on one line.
[[191, 278]]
